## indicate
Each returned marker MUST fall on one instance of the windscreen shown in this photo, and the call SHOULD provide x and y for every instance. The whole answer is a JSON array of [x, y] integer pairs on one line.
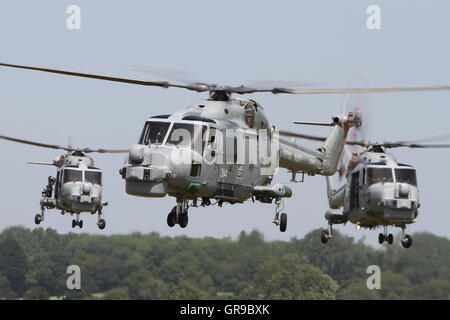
[[375, 175], [187, 135], [94, 177], [71, 175], [154, 132], [406, 176]]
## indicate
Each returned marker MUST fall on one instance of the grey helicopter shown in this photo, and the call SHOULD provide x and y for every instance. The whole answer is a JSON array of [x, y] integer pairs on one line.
[[378, 190], [216, 149], [77, 187]]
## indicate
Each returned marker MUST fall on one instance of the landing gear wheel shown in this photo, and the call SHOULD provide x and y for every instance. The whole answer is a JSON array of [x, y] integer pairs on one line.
[[390, 238], [380, 238], [101, 224], [407, 241], [324, 236], [283, 222], [80, 224], [74, 223], [172, 218], [183, 219], [37, 218]]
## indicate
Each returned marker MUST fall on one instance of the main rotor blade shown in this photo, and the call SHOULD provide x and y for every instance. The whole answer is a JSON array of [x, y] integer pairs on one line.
[[414, 145], [429, 139], [202, 87], [53, 146], [163, 84], [88, 150], [37, 144], [360, 90], [315, 123]]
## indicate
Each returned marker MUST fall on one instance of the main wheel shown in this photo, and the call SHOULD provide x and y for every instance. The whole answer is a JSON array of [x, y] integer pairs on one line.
[[171, 219], [183, 219], [390, 238], [407, 241], [283, 222], [380, 238], [37, 218], [80, 224], [324, 236], [101, 224], [74, 223]]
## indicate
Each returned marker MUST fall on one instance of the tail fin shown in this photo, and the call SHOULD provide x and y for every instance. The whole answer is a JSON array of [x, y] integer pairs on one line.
[[335, 196], [335, 142]]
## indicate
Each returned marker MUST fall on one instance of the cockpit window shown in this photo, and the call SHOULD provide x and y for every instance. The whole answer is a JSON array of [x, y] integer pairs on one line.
[[406, 176], [154, 132], [187, 135], [375, 175], [94, 177], [71, 175]]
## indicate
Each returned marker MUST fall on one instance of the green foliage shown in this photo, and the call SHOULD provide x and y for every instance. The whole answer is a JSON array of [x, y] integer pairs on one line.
[[13, 264], [290, 278], [116, 294], [33, 265], [36, 293]]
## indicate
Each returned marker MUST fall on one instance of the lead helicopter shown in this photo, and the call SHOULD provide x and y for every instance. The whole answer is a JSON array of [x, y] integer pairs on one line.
[[191, 154], [77, 187]]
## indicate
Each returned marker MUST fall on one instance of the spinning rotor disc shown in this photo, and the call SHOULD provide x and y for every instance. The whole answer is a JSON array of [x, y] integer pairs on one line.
[[359, 104]]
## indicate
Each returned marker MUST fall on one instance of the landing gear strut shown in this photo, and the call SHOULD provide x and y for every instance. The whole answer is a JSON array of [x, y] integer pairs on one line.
[[326, 235], [39, 217], [280, 220], [101, 223], [382, 237], [179, 215], [406, 240]]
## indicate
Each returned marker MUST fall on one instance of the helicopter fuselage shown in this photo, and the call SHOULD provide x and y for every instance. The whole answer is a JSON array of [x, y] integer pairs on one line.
[[221, 150], [78, 186], [379, 192]]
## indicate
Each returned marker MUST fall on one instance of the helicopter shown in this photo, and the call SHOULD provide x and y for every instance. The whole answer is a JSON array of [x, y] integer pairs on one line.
[[378, 191], [77, 187], [201, 152]]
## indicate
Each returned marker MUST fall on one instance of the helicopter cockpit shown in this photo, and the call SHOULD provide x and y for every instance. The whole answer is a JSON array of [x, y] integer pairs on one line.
[[406, 175], [384, 175], [154, 132], [75, 174], [181, 134], [377, 174]]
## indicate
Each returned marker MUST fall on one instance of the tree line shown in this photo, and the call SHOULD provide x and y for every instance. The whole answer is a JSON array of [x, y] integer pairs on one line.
[[33, 265]]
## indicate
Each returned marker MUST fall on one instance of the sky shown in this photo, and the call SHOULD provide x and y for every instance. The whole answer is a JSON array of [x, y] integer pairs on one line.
[[233, 42]]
